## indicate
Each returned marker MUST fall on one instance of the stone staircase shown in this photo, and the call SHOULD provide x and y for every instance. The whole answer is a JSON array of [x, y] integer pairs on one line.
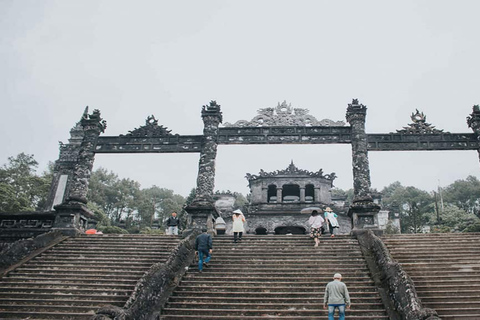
[[274, 277], [445, 269], [77, 276]]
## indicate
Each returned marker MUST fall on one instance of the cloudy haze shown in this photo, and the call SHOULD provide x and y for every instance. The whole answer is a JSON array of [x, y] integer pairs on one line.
[[131, 59]]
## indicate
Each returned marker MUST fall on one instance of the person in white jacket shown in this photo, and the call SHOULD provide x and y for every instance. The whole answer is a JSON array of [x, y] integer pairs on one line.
[[331, 220], [238, 229]]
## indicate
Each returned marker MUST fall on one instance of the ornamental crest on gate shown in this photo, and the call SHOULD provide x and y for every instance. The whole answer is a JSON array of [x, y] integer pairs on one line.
[[284, 115], [419, 125]]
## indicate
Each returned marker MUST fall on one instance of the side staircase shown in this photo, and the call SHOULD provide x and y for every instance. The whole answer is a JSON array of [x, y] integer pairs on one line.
[[445, 269], [77, 276], [274, 277]]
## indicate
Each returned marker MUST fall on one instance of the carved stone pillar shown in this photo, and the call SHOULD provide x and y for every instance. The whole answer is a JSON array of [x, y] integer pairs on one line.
[[473, 122], [203, 205], [302, 194], [92, 125], [364, 211], [74, 165], [279, 195]]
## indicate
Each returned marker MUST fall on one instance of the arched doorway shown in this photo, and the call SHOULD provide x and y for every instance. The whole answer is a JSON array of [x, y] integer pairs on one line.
[[290, 229]]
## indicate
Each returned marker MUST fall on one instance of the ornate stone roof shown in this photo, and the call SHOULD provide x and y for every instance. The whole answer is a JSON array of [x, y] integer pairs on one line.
[[419, 125], [284, 115], [291, 170], [150, 129]]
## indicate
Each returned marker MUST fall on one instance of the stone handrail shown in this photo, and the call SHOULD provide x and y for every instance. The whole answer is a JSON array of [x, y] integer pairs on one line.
[[155, 287], [23, 250], [390, 277]]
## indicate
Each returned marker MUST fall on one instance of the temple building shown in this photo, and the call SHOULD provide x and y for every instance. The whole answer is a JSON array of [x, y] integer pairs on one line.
[[276, 199]]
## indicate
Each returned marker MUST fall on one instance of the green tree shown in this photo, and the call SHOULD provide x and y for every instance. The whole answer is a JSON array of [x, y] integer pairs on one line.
[[20, 188], [414, 205], [464, 194], [158, 203]]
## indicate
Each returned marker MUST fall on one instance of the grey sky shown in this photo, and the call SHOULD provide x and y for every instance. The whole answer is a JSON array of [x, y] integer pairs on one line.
[[131, 59]]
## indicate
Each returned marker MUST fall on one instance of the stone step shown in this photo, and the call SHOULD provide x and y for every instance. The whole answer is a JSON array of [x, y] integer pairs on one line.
[[85, 268], [44, 315], [52, 258], [269, 284], [267, 313], [308, 299], [56, 295], [255, 279], [63, 284], [61, 263], [48, 308], [72, 280], [239, 307], [279, 317], [24, 271], [65, 302], [86, 290], [269, 288]]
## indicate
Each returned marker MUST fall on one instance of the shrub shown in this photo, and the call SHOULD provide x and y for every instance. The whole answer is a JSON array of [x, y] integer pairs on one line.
[[440, 229], [148, 230], [472, 228], [114, 230]]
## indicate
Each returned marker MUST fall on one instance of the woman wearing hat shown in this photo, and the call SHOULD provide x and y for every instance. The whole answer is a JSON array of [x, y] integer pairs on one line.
[[238, 229], [331, 220]]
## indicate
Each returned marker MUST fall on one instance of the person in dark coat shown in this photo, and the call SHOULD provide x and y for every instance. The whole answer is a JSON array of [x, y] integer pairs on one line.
[[203, 248], [172, 224]]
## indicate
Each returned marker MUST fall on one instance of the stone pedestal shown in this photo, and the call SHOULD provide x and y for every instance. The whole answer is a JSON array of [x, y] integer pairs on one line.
[[364, 215], [202, 214], [72, 218]]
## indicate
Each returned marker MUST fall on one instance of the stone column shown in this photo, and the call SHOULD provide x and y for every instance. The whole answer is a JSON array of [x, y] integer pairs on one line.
[[68, 195], [203, 205], [316, 194], [473, 122], [279, 195], [264, 194], [364, 211], [302, 194]]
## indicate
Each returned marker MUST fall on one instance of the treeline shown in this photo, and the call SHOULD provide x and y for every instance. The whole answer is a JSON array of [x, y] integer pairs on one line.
[[454, 208], [122, 202]]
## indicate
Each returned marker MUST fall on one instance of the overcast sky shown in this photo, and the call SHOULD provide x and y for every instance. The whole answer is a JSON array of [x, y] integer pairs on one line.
[[131, 59]]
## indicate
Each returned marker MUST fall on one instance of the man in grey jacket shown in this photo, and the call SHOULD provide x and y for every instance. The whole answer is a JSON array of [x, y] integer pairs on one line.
[[336, 296]]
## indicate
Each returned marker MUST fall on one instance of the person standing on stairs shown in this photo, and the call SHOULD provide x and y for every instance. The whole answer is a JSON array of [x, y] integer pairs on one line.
[[336, 296], [315, 222], [203, 249], [238, 229], [172, 224], [331, 220]]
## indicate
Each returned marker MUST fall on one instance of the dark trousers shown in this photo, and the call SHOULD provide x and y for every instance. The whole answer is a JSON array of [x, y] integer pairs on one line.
[[235, 234]]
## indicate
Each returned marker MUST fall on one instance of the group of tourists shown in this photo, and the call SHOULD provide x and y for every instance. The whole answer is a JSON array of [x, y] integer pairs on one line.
[[316, 224]]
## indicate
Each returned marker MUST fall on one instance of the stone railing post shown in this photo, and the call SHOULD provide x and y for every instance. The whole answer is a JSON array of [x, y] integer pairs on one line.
[[302, 194], [279, 195], [473, 122], [364, 211], [203, 205]]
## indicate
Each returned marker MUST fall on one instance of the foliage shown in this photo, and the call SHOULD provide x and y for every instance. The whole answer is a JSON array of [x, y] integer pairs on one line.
[[440, 229], [99, 215], [391, 228], [454, 218], [148, 230], [113, 230], [473, 228], [414, 205], [336, 192], [20, 188], [156, 202], [465, 194]]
